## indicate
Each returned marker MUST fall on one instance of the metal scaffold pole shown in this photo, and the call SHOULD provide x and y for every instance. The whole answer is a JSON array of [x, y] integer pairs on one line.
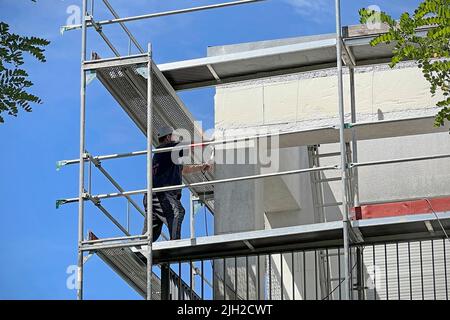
[[347, 278], [149, 173], [82, 151], [354, 137]]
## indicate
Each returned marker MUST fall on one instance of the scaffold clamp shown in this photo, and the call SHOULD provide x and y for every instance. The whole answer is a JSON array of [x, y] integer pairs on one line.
[[90, 76], [143, 71], [60, 164], [60, 202], [348, 125]]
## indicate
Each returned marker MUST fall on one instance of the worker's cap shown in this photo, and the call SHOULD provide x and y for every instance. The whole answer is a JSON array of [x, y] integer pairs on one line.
[[164, 131]]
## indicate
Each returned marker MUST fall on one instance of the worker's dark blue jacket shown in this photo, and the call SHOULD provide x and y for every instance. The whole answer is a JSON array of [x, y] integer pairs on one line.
[[165, 171]]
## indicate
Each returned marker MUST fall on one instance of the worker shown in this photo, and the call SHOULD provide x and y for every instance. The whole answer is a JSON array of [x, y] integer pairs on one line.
[[167, 208]]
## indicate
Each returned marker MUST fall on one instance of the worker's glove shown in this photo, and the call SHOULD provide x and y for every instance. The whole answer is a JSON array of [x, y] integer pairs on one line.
[[207, 167]]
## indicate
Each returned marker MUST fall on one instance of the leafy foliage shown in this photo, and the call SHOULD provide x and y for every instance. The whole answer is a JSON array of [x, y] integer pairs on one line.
[[14, 80], [432, 51]]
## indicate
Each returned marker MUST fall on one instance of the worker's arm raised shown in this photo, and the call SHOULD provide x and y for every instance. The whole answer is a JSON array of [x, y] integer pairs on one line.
[[194, 168]]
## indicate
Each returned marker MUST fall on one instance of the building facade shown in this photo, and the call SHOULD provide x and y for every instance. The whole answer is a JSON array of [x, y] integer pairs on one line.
[[309, 100]]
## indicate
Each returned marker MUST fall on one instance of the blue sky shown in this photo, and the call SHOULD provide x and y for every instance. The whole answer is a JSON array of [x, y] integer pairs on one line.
[[38, 242]]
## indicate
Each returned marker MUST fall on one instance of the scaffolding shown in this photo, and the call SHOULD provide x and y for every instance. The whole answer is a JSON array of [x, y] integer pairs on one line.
[[147, 93]]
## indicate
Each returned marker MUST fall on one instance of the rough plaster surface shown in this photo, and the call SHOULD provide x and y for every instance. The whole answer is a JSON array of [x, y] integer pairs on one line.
[[309, 100]]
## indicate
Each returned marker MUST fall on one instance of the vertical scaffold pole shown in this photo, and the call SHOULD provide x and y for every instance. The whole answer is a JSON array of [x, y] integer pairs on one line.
[[149, 173], [191, 215], [347, 286], [354, 137], [359, 266], [82, 151]]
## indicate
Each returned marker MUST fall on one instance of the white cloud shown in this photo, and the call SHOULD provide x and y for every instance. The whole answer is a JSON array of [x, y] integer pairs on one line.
[[312, 9]]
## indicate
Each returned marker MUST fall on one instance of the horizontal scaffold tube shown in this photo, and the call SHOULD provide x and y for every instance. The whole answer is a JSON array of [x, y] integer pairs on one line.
[[380, 162], [114, 239], [206, 183], [165, 13], [192, 145], [93, 247], [114, 183]]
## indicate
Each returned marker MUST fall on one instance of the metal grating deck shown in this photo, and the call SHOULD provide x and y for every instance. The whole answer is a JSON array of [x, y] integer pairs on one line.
[[130, 265], [130, 268], [127, 83], [312, 236]]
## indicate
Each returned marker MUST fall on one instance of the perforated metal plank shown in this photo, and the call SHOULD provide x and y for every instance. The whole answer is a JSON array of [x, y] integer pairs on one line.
[[131, 269], [130, 265], [127, 83]]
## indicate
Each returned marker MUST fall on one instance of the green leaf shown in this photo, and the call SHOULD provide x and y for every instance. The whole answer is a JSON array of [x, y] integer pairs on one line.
[[432, 52], [14, 80]]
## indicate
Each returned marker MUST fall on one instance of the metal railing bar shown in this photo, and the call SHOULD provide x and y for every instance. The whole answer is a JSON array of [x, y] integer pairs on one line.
[[161, 14], [374, 283], [339, 269], [235, 279], [93, 247], [113, 239], [191, 280], [192, 145], [411, 159], [203, 280], [421, 269], [270, 276], [434, 274], [386, 271], [97, 203], [179, 281], [304, 276], [115, 183], [445, 269], [409, 267], [246, 277], [224, 279], [205, 183], [258, 276], [281, 272], [98, 28], [315, 274], [124, 27]]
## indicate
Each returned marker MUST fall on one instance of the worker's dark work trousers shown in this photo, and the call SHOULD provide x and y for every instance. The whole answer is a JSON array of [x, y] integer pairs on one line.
[[167, 209]]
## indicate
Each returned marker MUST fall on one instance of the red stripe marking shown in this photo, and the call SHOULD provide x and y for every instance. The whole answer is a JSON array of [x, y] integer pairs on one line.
[[400, 208]]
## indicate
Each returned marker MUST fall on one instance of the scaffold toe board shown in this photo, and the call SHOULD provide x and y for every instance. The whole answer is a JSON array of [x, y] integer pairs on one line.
[[125, 79], [130, 265], [302, 237]]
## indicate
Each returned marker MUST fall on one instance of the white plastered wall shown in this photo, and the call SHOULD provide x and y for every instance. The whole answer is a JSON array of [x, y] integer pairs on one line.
[[310, 99]]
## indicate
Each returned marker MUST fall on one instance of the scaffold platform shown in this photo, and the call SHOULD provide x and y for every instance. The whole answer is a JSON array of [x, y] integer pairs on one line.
[[147, 91], [277, 60], [129, 263]]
